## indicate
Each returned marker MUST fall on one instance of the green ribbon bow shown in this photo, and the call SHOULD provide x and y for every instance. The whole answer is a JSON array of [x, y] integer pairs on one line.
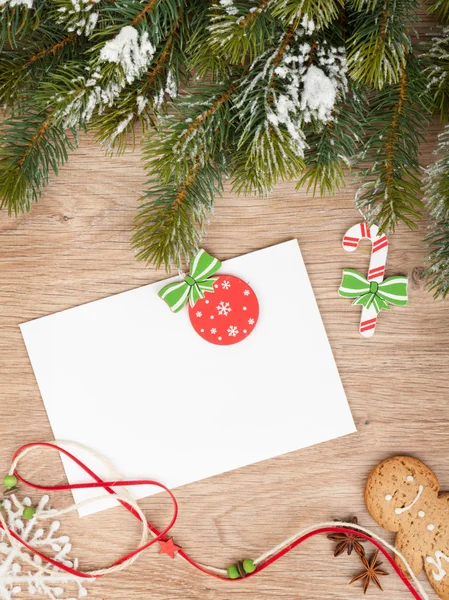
[[370, 293], [193, 286]]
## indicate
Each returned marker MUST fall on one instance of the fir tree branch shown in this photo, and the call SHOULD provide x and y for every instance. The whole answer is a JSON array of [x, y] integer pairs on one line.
[[148, 8], [393, 188], [204, 116], [79, 17], [337, 146], [194, 133], [19, 70], [30, 149], [156, 17], [171, 223], [273, 112], [140, 102], [287, 38], [266, 151], [321, 12], [16, 24], [53, 50], [252, 15], [378, 47], [436, 194], [160, 64], [239, 31], [200, 59], [437, 71], [185, 163], [440, 8]]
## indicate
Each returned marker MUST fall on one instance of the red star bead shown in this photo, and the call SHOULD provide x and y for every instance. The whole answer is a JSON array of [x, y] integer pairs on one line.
[[169, 547]]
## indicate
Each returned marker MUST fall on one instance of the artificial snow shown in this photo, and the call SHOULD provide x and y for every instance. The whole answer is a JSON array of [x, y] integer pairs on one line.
[[308, 84], [141, 103], [128, 51], [26, 3], [437, 75], [170, 86], [91, 23], [119, 129], [308, 25], [318, 95], [229, 7]]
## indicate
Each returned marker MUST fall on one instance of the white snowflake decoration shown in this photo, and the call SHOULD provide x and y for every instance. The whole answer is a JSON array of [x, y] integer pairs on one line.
[[199, 313], [16, 577], [251, 321], [213, 331], [226, 285], [246, 293], [232, 331], [224, 308]]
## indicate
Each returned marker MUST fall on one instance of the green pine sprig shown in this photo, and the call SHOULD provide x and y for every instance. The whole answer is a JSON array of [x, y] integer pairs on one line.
[[32, 147], [259, 91], [436, 60], [337, 147], [173, 217], [380, 41], [437, 200], [392, 189], [320, 12]]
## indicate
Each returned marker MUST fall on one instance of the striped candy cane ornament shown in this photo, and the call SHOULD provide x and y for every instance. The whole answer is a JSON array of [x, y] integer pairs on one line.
[[376, 271]]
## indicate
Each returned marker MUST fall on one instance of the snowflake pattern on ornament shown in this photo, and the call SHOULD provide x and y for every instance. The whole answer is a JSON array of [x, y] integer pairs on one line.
[[16, 577], [224, 308], [226, 312], [199, 314]]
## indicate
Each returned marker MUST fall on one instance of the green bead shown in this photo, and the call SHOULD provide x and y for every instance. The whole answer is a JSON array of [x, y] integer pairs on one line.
[[29, 512], [10, 481], [249, 566], [233, 572]]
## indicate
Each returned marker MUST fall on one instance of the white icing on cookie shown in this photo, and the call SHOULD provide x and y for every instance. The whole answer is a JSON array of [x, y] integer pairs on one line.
[[436, 562], [388, 497], [430, 526], [399, 511], [421, 514], [409, 478]]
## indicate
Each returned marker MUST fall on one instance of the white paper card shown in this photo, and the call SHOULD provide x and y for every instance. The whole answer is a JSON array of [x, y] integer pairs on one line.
[[124, 376]]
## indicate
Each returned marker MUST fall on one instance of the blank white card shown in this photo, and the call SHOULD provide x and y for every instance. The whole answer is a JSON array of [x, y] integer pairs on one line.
[[124, 375]]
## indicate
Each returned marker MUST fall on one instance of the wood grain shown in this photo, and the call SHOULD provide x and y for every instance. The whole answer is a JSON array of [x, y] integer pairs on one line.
[[74, 247]]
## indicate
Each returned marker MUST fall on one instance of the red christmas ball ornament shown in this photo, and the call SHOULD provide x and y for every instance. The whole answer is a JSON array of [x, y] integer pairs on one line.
[[223, 309], [228, 314]]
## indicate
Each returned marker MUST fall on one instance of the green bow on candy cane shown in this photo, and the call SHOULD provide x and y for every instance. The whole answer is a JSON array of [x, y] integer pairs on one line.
[[193, 286], [370, 293]]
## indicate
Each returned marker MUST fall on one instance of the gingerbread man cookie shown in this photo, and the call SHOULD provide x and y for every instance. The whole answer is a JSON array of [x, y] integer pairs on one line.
[[402, 496]]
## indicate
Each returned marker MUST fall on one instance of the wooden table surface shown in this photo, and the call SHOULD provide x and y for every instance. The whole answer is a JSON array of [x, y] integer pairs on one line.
[[74, 247]]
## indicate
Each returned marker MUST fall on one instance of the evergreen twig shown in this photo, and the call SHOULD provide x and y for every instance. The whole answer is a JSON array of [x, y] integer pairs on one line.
[[392, 191], [270, 90]]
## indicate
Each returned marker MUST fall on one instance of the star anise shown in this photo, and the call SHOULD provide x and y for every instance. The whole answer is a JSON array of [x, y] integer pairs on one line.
[[371, 572], [348, 541]]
